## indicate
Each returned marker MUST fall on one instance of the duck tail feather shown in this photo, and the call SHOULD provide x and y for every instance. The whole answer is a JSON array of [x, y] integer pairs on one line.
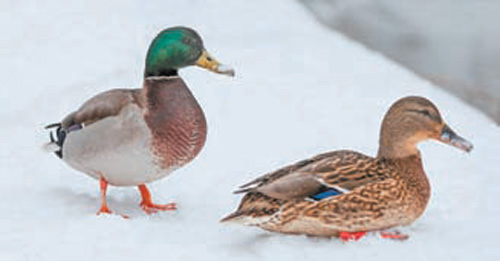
[[53, 125], [243, 218], [234, 217], [55, 144], [51, 147], [245, 190]]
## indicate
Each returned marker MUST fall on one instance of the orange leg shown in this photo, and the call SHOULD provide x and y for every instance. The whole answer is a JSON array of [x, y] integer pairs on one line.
[[347, 236], [104, 206], [147, 204], [396, 235]]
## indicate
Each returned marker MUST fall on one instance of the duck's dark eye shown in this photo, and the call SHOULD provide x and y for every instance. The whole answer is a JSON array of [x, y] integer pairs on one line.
[[188, 41], [426, 113], [209, 58]]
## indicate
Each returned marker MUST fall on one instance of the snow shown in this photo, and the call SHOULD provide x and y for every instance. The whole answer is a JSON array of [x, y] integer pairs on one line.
[[299, 90]]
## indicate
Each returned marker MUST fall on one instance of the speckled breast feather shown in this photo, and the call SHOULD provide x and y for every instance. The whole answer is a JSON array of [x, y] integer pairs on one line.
[[176, 120]]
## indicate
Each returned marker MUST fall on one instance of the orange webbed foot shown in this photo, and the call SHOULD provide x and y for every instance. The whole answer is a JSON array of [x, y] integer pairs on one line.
[[104, 205], [103, 184], [348, 236], [147, 203], [151, 208], [104, 210]]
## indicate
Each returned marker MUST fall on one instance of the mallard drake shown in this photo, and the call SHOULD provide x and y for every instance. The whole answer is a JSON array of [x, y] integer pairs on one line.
[[130, 137], [346, 193]]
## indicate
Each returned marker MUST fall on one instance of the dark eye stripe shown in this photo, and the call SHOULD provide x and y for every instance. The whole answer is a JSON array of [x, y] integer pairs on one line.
[[426, 113]]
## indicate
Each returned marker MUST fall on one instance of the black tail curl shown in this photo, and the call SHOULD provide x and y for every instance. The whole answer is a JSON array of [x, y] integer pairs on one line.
[[60, 134]]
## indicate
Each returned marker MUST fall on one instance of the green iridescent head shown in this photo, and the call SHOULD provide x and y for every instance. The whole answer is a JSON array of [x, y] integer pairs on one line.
[[178, 47]]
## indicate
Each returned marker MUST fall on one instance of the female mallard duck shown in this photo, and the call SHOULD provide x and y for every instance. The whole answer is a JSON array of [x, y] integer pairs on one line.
[[130, 137], [346, 193]]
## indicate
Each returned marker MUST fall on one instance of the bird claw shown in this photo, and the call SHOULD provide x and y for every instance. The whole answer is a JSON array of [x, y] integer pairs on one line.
[[151, 208], [106, 211]]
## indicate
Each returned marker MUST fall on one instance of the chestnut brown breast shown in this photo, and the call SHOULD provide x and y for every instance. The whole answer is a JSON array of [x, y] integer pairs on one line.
[[176, 121]]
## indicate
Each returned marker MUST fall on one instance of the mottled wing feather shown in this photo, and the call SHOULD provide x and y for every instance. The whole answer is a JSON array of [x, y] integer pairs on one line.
[[294, 185], [108, 103], [255, 205], [344, 170], [267, 178], [348, 170], [364, 206]]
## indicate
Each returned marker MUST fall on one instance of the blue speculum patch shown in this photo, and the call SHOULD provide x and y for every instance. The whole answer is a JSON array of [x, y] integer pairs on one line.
[[326, 194]]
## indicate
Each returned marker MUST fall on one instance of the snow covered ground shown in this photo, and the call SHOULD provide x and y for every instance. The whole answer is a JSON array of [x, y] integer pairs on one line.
[[300, 90]]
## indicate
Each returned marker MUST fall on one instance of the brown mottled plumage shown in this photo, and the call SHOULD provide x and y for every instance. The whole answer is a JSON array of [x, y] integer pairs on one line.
[[373, 193]]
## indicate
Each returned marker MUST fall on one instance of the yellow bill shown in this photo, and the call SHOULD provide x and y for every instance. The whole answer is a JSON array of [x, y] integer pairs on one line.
[[208, 62]]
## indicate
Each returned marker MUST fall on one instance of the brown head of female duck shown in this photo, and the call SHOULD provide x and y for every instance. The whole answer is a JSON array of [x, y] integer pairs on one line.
[[411, 120], [408, 122]]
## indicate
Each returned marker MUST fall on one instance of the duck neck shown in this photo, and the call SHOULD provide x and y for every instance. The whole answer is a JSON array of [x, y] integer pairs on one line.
[[170, 99], [394, 143], [158, 72]]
